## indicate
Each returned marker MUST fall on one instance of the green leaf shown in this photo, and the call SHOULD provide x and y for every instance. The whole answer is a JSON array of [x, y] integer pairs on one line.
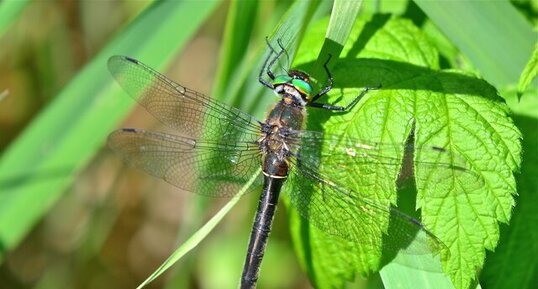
[[444, 108], [497, 39], [42, 162], [530, 71]]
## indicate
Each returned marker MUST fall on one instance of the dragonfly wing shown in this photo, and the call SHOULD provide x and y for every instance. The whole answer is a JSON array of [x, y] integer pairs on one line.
[[207, 168], [215, 153], [364, 163], [362, 210], [189, 112], [374, 225]]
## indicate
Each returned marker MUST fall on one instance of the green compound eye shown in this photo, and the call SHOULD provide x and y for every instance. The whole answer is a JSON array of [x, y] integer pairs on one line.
[[281, 79], [303, 86]]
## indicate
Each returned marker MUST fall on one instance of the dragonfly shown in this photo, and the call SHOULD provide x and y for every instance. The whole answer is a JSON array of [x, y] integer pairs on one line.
[[218, 148]]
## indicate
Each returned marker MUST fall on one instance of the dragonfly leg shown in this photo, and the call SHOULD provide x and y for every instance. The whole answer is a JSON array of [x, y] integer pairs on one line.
[[347, 107], [277, 56], [260, 76], [268, 63], [329, 80]]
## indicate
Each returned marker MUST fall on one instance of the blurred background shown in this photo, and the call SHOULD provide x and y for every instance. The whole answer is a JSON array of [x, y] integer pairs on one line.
[[105, 225]]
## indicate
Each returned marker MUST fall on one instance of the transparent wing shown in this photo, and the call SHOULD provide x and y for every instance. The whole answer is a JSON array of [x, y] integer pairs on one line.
[[344, 187], [215, 152], [180, 108], [372, 225], [360, 163], [210, 169]]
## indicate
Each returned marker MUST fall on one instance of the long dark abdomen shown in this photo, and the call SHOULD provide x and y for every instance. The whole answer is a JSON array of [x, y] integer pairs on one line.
[[260, 231]]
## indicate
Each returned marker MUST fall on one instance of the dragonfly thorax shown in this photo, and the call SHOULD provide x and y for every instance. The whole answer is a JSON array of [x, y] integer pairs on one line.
[[276, 142], [275, 152]]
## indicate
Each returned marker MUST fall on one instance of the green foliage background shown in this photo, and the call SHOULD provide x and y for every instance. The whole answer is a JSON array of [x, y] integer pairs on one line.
[[68, 219]]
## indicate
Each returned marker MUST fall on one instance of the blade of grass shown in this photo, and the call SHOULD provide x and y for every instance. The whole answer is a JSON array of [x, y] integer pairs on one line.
[[9, 11], [492, 34], [200, 235], [236, 39], [42, 161], [342, 20]]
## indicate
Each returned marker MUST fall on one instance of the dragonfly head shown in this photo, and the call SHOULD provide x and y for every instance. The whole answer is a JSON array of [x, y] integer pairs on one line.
[[296, 84]]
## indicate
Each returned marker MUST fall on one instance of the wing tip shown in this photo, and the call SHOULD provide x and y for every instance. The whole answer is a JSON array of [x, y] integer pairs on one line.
[[127, 129], [120, 131], [133, 130], [116, 58], [131, 59]]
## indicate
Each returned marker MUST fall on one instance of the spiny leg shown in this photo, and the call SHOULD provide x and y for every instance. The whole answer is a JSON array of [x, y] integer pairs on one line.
[[277, 56], [260, 76], [347, 107], [267, 67], [329, 80], [279, 42]]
